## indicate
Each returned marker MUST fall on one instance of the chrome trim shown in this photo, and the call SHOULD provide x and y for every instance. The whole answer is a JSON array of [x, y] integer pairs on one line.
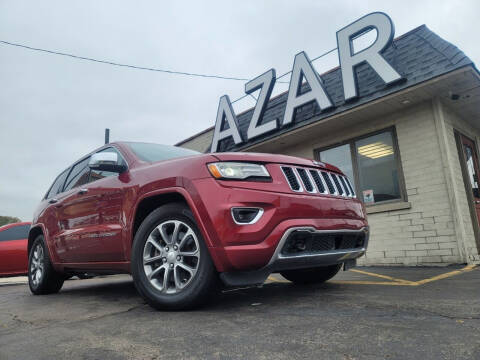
[[101, 158], [316, 189], [351, 187], [327, 189], [296, 176], [309, 178], [314, 185], [348, 187], [278, 256], [333, 183], [255, 219], [347, 191], [326, 192], [313, 181], [341, 185]]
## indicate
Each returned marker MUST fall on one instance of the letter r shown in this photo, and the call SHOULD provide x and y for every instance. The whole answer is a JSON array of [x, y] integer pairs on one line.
[[372, 55]]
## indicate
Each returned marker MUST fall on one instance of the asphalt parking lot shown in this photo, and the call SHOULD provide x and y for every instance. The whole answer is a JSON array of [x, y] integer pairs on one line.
[[365, 313]]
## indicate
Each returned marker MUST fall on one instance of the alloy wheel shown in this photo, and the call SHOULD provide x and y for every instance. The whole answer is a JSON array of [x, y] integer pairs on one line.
[[37, 266], [171, 256]]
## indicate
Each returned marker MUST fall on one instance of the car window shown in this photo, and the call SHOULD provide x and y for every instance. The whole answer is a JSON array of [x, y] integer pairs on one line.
[[79, 175], [97, 175], [157, 152], [57, 184], [15, 233]]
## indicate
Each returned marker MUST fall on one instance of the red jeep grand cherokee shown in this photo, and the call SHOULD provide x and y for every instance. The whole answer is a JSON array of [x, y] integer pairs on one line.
[[179, 221]]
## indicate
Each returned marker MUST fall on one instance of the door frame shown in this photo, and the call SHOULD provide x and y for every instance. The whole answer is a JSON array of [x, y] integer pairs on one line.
[[466, 183]]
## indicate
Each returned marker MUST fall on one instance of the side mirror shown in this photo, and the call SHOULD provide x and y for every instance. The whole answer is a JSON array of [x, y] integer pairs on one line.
[[106, 161]]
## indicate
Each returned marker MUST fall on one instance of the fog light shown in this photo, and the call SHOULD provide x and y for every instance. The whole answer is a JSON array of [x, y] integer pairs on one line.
[[246, 215]]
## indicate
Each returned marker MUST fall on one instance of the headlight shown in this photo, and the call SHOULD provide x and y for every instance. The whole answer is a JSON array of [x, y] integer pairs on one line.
[[238, 171]]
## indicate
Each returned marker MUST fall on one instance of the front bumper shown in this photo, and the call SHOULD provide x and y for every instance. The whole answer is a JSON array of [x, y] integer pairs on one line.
[[246, 248], [287, 261]]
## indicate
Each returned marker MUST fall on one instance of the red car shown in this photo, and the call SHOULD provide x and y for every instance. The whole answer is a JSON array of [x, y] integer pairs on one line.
[[180, 221], [13, 249]]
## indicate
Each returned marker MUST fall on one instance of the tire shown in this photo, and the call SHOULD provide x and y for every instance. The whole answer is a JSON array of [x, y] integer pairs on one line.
[[313, 275], [42, 277], [160, 261]]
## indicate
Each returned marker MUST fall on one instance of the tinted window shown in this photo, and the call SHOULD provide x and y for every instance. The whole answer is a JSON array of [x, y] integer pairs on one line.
[[58, 184], [97, 175], [79, 175], [157, 152], [15, 233], [376, 166], [341, 157]]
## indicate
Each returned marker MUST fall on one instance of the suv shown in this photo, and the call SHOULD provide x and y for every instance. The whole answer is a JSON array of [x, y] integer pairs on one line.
[[183, 222]]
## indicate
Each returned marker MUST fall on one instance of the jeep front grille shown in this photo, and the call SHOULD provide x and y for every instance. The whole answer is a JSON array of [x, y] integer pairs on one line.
[[321, 181]]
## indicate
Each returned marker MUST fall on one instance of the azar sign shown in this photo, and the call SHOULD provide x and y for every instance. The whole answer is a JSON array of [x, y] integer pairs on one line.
[[226, 124]]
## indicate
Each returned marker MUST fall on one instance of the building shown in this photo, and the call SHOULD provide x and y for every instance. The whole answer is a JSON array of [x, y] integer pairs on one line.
[[410, 147]]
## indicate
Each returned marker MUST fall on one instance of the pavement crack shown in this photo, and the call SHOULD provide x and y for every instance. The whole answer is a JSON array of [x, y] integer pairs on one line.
[[66, 323], [16, 318], [451, 317]]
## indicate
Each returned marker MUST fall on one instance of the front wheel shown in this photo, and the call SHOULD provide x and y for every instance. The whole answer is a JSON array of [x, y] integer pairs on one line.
[[313, 275], [171, 265], [42, 277]]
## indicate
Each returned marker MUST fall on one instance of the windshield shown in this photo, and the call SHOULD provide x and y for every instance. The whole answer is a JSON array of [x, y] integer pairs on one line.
[[157, 152]]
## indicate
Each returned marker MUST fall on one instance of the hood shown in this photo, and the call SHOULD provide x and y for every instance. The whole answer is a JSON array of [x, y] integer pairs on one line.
[[273, 158]]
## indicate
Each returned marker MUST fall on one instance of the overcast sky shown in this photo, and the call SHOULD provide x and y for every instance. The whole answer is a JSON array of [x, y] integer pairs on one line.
[[54, 109]]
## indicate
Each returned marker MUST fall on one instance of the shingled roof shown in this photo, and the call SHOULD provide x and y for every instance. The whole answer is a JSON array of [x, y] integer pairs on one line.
[[418, 56]]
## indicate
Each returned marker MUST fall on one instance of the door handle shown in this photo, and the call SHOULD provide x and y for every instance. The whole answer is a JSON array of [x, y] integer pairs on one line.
[[82, 191], [52, 201]]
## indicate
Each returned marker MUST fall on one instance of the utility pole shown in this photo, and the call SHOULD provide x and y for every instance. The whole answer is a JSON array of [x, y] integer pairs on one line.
[[107, 136]]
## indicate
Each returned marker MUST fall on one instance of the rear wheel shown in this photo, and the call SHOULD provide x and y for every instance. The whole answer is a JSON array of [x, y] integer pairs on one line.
[[171, 265], [313, 275], [42, 277]]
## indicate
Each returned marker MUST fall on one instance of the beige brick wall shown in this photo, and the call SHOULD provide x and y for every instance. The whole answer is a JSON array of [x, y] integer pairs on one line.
[[421, 234], [199, 143]]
